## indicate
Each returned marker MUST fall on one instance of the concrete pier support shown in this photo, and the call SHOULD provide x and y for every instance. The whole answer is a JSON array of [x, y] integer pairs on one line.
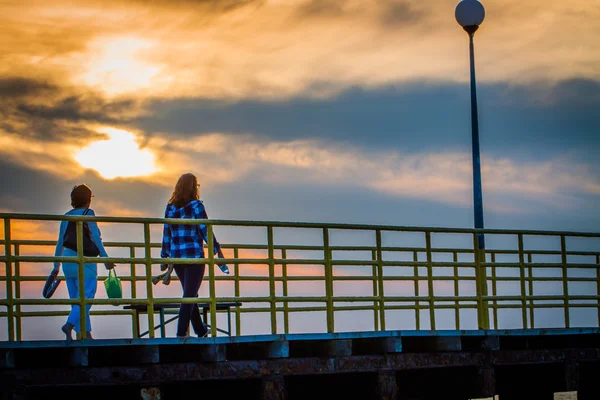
[[273, 388], [485, 385], [387, 387]]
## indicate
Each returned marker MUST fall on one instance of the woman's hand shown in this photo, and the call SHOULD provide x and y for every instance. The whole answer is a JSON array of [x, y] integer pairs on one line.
[[109, 265]]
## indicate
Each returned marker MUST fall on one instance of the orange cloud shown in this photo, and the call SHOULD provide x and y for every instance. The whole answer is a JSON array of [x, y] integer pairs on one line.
[[290, 47], [30, 230]]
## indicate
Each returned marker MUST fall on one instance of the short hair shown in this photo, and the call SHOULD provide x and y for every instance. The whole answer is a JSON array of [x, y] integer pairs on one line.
[[81, 196]]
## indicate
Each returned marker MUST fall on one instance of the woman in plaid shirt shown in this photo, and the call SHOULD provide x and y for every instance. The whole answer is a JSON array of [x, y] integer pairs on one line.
[[187, 241]]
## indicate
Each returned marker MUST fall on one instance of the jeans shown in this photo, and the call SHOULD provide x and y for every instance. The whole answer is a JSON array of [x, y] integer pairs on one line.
[[90, 284], [190, 276]]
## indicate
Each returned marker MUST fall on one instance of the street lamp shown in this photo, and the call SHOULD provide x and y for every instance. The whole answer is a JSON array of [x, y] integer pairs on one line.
[[470, 14]]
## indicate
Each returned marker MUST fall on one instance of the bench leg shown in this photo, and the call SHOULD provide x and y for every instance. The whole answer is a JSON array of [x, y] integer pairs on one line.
[[136, 324], [229, 321], [205, 316], [162, 323]]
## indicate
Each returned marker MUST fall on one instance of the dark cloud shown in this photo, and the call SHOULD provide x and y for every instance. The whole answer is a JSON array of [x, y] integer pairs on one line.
[[28, 190], [400, 13], [323, 8], [21, 87], [392, 13], [44, 111], [78, 109], [518, 122], [218, 6]]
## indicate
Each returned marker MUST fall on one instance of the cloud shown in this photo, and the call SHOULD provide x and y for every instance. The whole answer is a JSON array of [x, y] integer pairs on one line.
[[280, 49], [17, 87], [116, 208], [428, 174], [30, 230], [219, 158], [46, 156], [443, 176]]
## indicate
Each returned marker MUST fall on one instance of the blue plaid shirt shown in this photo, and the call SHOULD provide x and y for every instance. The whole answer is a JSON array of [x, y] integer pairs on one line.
[[186, 241]]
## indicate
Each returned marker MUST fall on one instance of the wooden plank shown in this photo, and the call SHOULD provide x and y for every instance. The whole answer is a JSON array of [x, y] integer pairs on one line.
[[116, 356], [431, 344], [377, 345], [321, 348], [193, 353], [258, 350]]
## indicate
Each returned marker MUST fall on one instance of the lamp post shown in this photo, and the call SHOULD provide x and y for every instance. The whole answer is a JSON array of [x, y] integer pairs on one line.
[[470, 14]]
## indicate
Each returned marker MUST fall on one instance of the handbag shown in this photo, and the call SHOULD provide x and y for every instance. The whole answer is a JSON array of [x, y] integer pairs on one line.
[[113, 287], [70, 239]]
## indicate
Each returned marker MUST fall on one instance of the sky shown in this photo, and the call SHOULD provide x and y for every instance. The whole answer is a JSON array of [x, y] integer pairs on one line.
[[302, 110]]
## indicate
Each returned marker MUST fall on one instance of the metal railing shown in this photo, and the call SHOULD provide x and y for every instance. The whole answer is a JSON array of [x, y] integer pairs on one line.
[[395, 277]]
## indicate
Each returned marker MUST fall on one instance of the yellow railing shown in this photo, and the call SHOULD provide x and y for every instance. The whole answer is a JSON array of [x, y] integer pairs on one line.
[[399, 274]]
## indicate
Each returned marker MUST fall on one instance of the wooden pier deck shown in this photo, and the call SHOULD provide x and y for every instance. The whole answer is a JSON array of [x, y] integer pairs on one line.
[[365, 365]]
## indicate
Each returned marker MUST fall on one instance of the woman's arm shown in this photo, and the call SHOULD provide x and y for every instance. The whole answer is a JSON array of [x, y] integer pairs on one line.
[[200, 212], [97, 239], [166, 240], [59, 242], [96, 235]]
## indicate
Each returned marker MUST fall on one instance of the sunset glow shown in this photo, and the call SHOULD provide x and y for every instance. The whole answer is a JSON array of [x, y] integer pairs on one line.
[[116, 66], [118, 157]]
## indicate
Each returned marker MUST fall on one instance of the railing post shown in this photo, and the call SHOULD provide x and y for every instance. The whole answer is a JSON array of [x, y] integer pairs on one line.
[[236, 268], [481, 286], [430, 281], [456, 291], [522, 278], [211, 277], [149, 293], [328, 281], [375, 291], [133, 273], [9, 288], [417, 303], [286, 316], [134, 325], [81, 278], [598, 284], [530, 277], [18, 293], [494, 291], [565, 279], [380, 276], [272, 294]]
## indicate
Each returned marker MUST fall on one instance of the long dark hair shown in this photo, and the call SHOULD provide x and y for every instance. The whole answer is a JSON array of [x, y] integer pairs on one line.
[[185, 190]]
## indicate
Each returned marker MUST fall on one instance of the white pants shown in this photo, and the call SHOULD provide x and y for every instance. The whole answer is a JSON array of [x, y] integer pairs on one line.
[[90, 284]]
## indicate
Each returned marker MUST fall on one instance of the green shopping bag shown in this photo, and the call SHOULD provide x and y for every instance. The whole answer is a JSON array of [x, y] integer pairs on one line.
[[113, 286]]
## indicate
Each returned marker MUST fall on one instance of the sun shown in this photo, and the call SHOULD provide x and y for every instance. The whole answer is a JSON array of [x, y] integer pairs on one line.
[[118, 157]]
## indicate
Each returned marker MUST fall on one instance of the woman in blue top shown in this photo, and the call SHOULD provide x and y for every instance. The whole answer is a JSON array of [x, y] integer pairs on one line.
[[187, 241], [81, 199]]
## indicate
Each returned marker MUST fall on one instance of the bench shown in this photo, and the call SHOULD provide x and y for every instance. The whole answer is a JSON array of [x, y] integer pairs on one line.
[[160, 308]]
